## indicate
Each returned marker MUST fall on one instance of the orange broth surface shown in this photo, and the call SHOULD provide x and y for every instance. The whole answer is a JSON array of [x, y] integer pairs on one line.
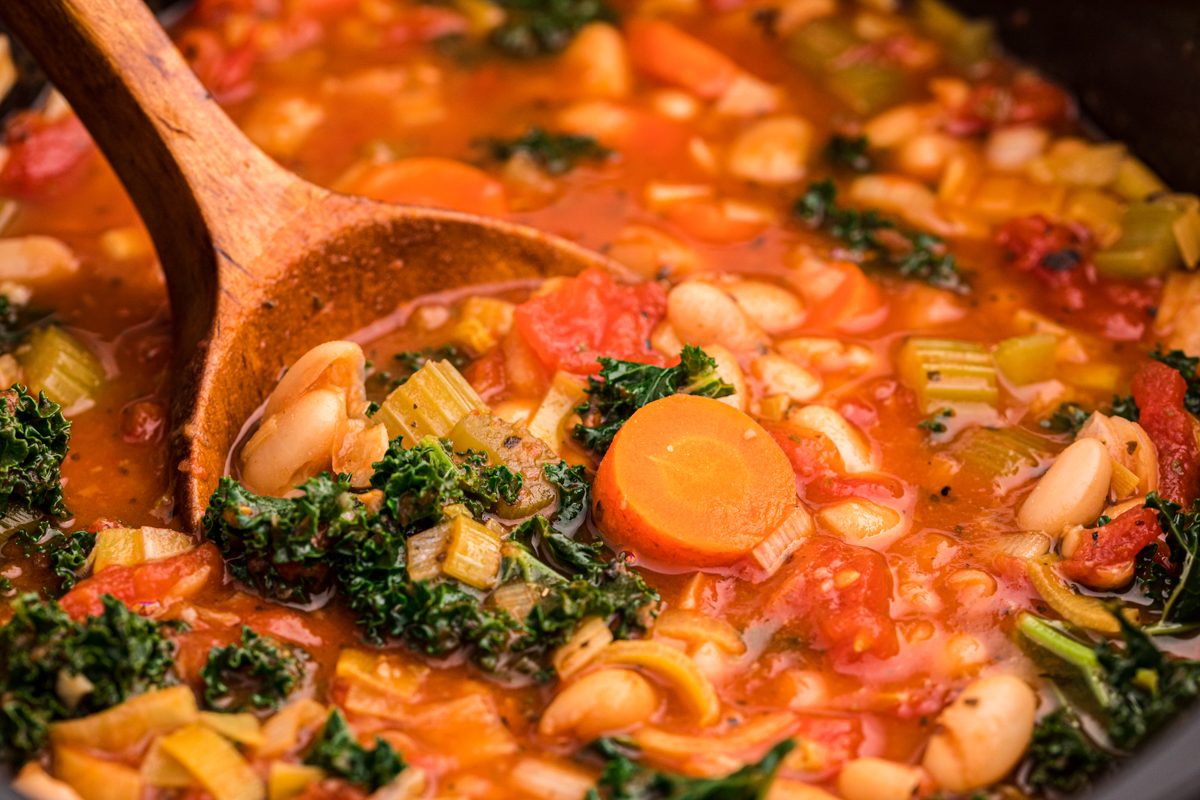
[[338, 90]]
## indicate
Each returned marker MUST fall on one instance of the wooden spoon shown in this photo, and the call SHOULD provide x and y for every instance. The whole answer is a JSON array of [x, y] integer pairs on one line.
[[260, 264]]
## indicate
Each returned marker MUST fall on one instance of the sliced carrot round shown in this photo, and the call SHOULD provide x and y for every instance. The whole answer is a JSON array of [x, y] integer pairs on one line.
[[436, 182], [853, 306], [692, 482]]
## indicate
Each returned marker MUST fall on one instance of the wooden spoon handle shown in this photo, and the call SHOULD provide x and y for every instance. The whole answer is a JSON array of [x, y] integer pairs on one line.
[[208, 196]]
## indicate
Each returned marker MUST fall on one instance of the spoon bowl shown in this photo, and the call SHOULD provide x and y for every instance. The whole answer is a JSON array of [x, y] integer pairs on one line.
[[261, 265]]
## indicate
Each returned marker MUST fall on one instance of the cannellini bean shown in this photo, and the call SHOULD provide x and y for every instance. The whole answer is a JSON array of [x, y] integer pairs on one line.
[[34, 782], [747, 96], [664, 340], [294, 444], [604, 120], [984, 733], [788, 789], [703, 314], [338, 365], [31, 257], [1072, 492], [925, 155], [774, 308], [898, 124], [826, 354], [1128, 444], [912, 200], [676, 104], [597, 62], [729, 371], [879, 779], [1011, 148], [804, 688], [652, 253], [971, 585], [773, 151], [781, 376], [851, 445], [357, 446], [857, 519], [600, 703]]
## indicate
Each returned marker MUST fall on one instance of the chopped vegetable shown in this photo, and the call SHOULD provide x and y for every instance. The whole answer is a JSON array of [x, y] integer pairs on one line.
[[1027, 359], [1181, 589], [68, 554], [1147, 246], [866, 86], [535, 28], [556, 153], [410, 361], [57, 364], [262, 674], [626, 386], [472, 553], [113, 656], [429, 403], [849, 152], [1161, 396], [34, 439], [1067, 418], [214, 762], [624, 779], [1061, 756], [967, 42], [947, 371], [574, 493], [517, 478], [129, 546], [338, 753]]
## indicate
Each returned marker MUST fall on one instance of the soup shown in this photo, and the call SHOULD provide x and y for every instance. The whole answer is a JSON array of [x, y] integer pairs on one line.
[[870, 474]]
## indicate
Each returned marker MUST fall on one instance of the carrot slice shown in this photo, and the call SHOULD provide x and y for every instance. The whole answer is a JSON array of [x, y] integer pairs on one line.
[[437, 182], [663, 51], [852, 307], [709, 221], [690, 481]]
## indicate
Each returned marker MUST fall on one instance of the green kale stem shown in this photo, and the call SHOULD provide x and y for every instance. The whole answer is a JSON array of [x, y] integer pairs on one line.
[[1050, 636]]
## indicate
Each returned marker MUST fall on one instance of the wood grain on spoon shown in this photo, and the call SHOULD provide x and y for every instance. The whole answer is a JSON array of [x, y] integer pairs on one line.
[[260, 264]]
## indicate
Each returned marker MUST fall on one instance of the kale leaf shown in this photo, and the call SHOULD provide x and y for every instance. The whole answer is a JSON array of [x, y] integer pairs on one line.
[[626, 386], [338, 753], [535, 28], [625, 779], [574, 495], [1182, 603], [912, 253], [849, 152], [68, 554], [1068, 418], [113, 657], [34, 439], [556, 153], [1061, 757], [258, 673]]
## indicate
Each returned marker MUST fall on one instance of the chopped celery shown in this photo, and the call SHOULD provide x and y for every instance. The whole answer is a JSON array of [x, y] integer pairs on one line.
[[1187, 228], [1001, 452], [426, 551], [817, 45], [1136, 181], [429, 403], [1147, 245], [1027, 359], [473, 553], [966, 41], [56, 363], [515, 447], [868, 88], [130, 546], [945, 371], [483, 322]]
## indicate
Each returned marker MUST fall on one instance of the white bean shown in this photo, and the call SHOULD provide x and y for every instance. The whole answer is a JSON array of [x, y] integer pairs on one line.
[[730, 371], [925, 155], [29, 257], [851, 445], [651, 253], [879, 779], [332, 364], [703, 314], [983, 733], [598, 62], [1011, 148], [773, 308], [1072, 492], [357, 446], [782, 376], [602, 702], [293, 445], [773, 151]]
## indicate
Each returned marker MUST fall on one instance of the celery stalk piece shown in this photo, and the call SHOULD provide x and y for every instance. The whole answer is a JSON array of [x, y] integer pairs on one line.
[[943, 371], [56, 363], [1027, 359], [426, 552], [1187, 228], [817, 45], [1147, 245], [966, 41], [515, 447], [1002, 452], [1135, 181], [429, 403], [473, 553], [868, 88]]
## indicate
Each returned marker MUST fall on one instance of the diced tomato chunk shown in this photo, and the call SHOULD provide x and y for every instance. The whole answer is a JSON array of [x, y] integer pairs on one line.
[[168, 579], [1105, 559], [1026, 100], [41, 155], [486, 375], [1059, 253], [1159, 391], [591, 316], [839, 595]]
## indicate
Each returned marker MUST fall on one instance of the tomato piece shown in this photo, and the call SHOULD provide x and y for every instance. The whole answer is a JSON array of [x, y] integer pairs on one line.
[[710, 221], [41, 155], [150, 583], [663, 51], [435, 182], [1026, 100], [811, 456], [591, 316], [839, 595], [1058, 253], [425, 24], [486, 375], [1159, 391], [1106, 558]]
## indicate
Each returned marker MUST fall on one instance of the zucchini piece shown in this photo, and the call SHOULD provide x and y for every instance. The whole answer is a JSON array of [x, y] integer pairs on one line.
[[429, 403], [966, 41], [817, 45], [1147, 246], [868, 88], [516, 448], [55, 362], [1027, 359], [945, 371]]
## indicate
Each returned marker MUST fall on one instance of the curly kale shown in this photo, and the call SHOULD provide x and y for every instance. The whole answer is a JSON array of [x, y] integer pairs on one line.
[[626, 386], [1061, 757], [1068, 418], [849, 152], [68, 554], [34, 439], [625, 779], [556, 153], [535, 28], [338, 753], [911, 253], [113, 656], [574, 493], [1139, 689], [258, 673]]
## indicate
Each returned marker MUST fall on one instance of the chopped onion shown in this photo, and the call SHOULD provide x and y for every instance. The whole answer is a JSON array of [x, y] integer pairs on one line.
[[517, 599], [772, 551], [1086, 612], [241, 728], [587, 642], [692, 626], [1024, 545], [34, 782], [763, 730], [673, 668], [548, 781], [282, 731], [286, 781]]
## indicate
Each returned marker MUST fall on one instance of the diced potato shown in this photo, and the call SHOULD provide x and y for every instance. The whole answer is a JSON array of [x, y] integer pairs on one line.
[[469, 728], [286, 781], [386, 673], [160, 769], [1027, 359], [1099, 377], [122, 726], [772, 151], [214, 762], [242, 728], [129, 546], [95, 779], [282, 731], [429, 403]]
